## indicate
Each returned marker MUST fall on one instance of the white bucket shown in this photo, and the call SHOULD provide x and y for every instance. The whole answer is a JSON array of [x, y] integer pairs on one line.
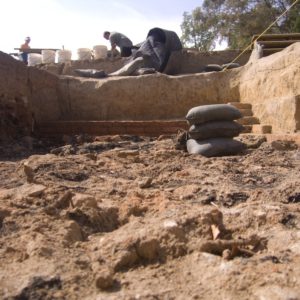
[[48, 56], [34, 59], [84, 54], [100, 51], [63, 55]]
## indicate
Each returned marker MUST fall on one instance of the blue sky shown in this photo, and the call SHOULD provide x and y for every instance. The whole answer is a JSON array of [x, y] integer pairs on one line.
[[80, 23]]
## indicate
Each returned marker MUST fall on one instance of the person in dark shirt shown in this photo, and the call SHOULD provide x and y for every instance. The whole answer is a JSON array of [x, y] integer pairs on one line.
[[118, 39]]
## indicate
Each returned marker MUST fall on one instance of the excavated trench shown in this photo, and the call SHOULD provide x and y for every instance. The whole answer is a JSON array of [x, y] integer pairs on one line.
[[117, 213]]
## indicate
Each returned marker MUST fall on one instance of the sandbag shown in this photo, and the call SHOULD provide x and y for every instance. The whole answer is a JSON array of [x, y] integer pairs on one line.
[[157, 48], [130, 68], [213, 68], [230, 66], [215, 147], [144, 71], [214, 112], [90, 73], [215, 129]]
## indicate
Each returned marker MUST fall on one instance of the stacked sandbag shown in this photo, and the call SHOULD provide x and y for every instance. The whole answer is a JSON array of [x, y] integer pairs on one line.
[[213, 129]]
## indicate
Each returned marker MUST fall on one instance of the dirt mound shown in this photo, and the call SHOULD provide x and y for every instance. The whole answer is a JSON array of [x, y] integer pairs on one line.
[[128, 217]]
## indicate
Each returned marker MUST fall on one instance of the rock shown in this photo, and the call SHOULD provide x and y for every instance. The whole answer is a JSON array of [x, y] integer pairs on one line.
[[104, 279], [31, 190], [215, 231], [252, 141], [126, 259], [284, 145], [226, 254], [145, 183], [128, 153], [170, 224], [148, 249], [83, 200], [72, 232], [180, 140], [64, 200], [28, 171]]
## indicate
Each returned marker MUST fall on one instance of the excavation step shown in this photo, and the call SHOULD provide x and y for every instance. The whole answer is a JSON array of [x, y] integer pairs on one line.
[[248, 121], [261, 129], [145, 128], [246, 112], [293, 137], [240, 105], [278, 43], [247, 129]]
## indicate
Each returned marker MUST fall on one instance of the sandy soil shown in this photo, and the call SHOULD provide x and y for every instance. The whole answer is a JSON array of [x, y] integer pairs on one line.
[[134, 218]]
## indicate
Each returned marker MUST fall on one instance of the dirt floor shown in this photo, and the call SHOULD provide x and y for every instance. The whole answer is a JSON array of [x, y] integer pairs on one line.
[[127, 217]]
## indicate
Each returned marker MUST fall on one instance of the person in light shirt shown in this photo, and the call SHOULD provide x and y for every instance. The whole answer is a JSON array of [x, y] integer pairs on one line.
[[25, 46]]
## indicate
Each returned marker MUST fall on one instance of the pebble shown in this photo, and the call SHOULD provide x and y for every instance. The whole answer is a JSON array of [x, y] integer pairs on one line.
[[104, 279], [145, 182], [169, 224]]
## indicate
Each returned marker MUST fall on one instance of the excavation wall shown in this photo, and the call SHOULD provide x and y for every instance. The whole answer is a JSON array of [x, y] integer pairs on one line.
[[272, 86], [151, 97], [26, 94], [29, 96], [187, 61]]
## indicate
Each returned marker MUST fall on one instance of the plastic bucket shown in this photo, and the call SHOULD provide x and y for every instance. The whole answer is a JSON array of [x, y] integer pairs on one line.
[[34, 59], [100, 51], [84, 54], [48, 56], [63, 56]]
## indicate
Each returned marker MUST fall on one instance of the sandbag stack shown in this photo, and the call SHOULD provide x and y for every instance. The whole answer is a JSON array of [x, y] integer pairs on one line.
[[213, 129]]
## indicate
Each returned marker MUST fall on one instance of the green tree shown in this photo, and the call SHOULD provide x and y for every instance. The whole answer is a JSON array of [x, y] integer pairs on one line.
[[237, 21], [197, 31]]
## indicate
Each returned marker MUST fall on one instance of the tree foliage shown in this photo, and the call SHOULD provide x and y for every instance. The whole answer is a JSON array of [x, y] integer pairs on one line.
[[236, 21], [197, 30]]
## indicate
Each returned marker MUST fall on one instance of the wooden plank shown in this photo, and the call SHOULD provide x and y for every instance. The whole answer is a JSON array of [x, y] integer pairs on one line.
[[271, 50], [34, 50], [146, 128], [282, 36], [277, 44]]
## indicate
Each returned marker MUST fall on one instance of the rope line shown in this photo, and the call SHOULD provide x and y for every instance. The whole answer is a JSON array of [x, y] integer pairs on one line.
[[250, 45]]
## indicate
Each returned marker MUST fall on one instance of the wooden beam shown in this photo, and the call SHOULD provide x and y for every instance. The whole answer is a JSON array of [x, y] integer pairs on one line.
[[281, 36], [277, 44], [271, 50], [146, 128], [34, 50]]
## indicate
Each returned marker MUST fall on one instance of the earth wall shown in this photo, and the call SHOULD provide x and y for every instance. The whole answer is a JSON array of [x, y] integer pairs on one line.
[[30, 96]]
